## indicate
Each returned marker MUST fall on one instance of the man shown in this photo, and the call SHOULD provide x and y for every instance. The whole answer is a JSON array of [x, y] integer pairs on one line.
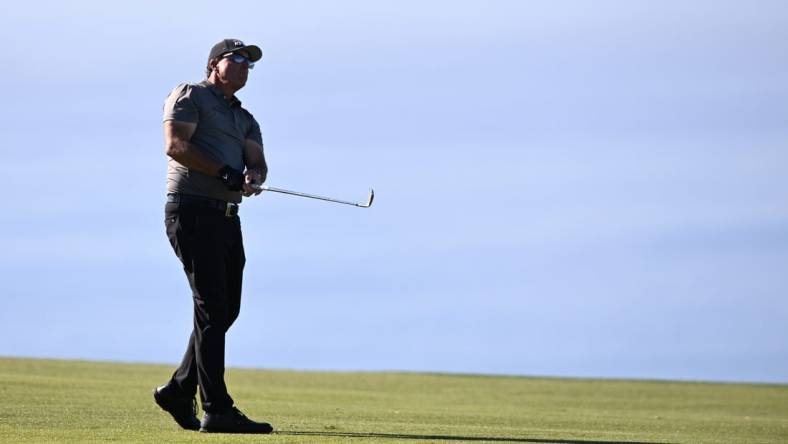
[[215, 156]]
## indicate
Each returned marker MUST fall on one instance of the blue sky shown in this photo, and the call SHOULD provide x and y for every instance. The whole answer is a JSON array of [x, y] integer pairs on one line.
[[564, 188]]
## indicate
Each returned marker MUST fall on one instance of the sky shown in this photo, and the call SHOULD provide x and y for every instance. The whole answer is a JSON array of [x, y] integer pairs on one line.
[[563, 188]]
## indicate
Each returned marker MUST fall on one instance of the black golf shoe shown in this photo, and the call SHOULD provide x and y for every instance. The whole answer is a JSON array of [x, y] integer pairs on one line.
[[232, 421], [182, 409]]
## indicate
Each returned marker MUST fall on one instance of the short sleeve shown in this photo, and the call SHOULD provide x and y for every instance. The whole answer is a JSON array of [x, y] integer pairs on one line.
[[179, 105], [254, 131]]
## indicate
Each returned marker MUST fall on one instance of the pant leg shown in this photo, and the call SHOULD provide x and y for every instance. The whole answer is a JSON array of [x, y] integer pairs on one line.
[[185, 376], [235, 267], [199, 238]]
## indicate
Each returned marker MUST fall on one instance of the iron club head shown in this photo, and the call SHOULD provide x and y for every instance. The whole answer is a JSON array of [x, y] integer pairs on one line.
[[370, 198]]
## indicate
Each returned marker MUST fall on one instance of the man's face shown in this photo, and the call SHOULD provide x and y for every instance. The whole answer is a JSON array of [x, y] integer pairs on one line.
[[232, 72]]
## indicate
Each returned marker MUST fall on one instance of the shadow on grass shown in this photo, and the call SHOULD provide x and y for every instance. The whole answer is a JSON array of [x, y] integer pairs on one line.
[[453, 438]]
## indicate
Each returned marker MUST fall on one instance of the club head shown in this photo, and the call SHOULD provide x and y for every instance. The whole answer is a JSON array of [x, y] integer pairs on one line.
[[369, 199]]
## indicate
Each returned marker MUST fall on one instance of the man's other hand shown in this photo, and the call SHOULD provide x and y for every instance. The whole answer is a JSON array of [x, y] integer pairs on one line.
[[232, 178]]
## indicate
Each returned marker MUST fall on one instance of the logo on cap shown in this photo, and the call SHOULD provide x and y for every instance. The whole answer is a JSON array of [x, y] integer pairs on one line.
[[238, 43]]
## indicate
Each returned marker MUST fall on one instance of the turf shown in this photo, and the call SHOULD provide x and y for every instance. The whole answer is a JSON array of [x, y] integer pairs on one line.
[[76, 401]]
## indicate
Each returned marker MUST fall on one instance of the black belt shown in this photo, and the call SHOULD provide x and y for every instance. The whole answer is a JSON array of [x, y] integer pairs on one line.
[[229, 209]]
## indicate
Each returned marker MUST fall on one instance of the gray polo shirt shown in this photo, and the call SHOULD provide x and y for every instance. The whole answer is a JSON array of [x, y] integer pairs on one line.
[[222, 129]]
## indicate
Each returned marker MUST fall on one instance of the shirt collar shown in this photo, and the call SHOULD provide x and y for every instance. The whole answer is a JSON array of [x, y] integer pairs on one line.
[[218, 93]]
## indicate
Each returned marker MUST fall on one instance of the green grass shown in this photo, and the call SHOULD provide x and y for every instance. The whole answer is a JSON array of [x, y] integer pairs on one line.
[[75, 401]]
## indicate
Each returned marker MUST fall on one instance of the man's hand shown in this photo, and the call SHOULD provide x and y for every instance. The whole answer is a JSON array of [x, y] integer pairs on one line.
[[232, 178], [252, 181]]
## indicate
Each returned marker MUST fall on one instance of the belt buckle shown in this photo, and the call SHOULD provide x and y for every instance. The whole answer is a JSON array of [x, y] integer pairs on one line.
[[231, 209]]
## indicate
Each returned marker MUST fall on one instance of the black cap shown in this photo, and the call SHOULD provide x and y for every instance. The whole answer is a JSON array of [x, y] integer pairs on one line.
[[227, 46]]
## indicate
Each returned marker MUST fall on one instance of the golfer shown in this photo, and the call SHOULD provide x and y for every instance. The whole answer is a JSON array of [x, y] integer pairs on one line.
[[215, 156]]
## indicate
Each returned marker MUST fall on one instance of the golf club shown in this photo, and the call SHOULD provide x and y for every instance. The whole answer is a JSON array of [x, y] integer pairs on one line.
[[366, 204]]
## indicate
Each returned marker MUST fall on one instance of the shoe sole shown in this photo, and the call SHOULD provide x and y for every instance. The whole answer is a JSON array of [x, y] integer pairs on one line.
[[244, 432]]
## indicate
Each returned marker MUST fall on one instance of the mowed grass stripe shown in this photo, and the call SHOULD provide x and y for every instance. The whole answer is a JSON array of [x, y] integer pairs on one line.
[[77, 401]]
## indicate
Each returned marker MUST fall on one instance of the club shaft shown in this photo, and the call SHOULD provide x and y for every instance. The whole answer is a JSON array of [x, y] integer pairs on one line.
[[310, 196]]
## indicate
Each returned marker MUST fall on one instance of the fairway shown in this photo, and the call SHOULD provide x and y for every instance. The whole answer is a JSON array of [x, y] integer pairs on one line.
[[75, 401]]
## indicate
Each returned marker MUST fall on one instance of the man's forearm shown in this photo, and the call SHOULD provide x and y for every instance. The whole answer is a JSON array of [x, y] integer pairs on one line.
[[254, 159], [260, 168], [185, 153]]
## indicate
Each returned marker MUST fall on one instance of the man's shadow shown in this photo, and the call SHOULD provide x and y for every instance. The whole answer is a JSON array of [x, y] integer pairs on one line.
[[451, 438]]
